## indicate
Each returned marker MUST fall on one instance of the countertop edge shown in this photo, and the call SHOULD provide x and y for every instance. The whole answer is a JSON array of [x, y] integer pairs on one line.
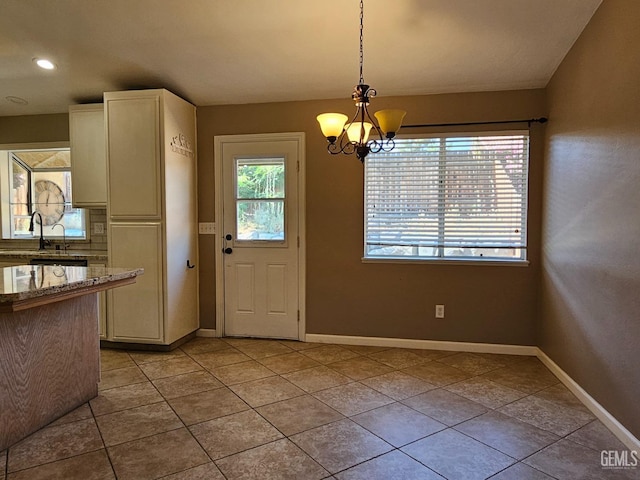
[[90, 255], [104, 275]]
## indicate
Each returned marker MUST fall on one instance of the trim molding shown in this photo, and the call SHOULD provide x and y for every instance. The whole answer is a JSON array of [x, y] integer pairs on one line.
[[624, 435], [206, 332], [218, 145], [424, 344]]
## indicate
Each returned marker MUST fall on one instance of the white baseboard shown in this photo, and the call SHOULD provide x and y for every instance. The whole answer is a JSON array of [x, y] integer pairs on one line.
[[424, 344], [624, 435], [206, 332]]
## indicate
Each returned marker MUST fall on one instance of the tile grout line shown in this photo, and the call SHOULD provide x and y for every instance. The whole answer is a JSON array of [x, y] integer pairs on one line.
[[399, 402], [106, 450], [164, 400], [347, 417], [48, 426], [252, 409], [284, 436], [350, 381], [560, 438], [452, 427], [184, 425], [476, 375]]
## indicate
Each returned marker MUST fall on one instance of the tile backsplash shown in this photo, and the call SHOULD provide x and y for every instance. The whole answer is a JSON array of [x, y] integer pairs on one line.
[[97, 241]]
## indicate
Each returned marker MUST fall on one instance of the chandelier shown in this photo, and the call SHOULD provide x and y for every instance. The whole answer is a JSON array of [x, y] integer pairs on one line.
[[353, 137]]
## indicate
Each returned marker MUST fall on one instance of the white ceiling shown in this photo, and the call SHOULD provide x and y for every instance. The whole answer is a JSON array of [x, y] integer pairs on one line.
[[248, 51]]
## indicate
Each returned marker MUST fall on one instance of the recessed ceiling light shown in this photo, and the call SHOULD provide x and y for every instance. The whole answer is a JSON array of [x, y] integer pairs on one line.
[[44, 63], [16, 100]]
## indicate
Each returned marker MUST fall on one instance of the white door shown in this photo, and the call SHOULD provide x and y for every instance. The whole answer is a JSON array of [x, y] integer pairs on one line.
[[260, 235]]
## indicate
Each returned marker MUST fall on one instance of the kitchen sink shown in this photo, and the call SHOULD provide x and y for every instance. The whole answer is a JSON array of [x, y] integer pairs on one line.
[[65, 262]]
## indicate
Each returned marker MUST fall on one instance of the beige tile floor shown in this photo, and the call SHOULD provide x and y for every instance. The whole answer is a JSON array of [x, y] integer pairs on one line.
[[262, 409]]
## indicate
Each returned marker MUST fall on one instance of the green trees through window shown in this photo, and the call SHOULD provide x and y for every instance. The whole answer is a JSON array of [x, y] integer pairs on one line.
[[260, 199]]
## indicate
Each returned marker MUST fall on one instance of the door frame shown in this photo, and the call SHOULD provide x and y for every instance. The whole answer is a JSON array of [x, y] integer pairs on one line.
[[218, 142]]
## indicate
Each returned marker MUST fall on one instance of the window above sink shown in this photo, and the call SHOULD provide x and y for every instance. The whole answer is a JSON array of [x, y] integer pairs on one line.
[[38, 179]]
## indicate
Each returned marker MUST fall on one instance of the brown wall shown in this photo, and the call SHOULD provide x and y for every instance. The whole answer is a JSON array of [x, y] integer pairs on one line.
[[344, 296], [34, 128], [590, 315], [493, 304]]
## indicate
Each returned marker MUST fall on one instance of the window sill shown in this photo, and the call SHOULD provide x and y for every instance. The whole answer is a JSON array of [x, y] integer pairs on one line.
[[449, 261]]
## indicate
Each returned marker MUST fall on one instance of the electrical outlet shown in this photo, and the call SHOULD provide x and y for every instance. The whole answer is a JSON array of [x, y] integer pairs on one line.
[[207, 228], [98, 228], [439, 311]]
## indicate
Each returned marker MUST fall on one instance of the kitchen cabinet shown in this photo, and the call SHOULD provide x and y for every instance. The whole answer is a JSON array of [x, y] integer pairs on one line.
[[135, 157], [152, 216], [137, 316], [88, 155]]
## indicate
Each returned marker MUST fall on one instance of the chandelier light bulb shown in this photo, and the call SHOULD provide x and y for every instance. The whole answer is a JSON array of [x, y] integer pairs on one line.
[[390, 121], [358, 132], [332, 124]]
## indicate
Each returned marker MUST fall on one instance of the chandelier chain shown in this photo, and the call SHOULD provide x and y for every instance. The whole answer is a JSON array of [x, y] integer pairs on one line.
[[354, 137], [361, 37]]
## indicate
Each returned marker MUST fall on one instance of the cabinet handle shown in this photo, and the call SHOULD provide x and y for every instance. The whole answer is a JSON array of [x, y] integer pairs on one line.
[[189, 265]]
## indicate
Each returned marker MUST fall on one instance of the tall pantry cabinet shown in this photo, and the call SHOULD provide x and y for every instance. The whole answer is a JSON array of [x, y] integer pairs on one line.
[[152, 216]]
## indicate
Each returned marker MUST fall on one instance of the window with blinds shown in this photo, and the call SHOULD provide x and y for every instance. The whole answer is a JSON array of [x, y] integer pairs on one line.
[[449, 196]]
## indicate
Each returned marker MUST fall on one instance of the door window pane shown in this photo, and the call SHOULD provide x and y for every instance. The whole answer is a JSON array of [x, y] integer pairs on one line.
[[260, 199], [260, 178], [261, 220]]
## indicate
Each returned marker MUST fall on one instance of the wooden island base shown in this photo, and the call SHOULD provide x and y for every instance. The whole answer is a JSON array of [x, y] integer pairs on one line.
[[50, 346], [50, 364]]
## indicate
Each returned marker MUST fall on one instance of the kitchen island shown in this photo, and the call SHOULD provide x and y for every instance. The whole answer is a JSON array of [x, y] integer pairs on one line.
[[49, 342]]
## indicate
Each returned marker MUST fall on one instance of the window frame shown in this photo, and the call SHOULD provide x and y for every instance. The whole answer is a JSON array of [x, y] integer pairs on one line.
[[6, 217], [441, 258], [261, 242], [11, 159]]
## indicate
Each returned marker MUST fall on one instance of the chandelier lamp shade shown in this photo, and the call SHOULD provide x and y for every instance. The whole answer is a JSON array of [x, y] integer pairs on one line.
[[362, 134]]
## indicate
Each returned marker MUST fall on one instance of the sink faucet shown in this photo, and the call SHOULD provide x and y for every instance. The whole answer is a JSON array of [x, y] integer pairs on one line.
[[43, 242], [64, 234]]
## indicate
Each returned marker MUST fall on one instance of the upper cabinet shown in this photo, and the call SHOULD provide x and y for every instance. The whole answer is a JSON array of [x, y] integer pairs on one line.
[[88, 156], [135, 148]]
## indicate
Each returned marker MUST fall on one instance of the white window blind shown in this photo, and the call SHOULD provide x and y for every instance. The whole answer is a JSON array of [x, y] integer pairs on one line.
[[454, 195]]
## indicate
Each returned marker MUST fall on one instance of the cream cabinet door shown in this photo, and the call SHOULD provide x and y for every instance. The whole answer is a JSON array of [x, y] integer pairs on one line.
[[136, 311], [133, 142], [88, 155]]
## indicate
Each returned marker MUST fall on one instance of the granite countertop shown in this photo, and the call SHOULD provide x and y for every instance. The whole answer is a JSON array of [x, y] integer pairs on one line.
[[24, 282], [90, 255]]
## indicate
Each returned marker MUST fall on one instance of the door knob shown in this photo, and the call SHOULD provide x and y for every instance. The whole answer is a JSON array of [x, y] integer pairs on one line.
[[228, 250], [228, 236]]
